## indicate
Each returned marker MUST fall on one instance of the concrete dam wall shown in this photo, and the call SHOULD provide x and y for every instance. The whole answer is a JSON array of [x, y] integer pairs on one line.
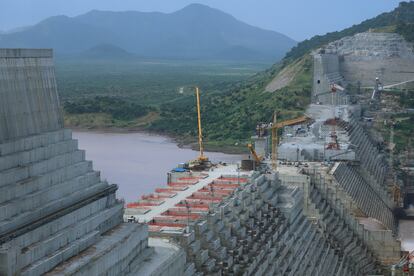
[[53, 205], [29, 101]]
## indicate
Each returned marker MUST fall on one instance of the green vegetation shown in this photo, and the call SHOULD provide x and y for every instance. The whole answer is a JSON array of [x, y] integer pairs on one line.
[[404, 127], [231, 117], [406, 30], [403, 131], [118, 108], [143, 94], [403, 121], [146, 82]]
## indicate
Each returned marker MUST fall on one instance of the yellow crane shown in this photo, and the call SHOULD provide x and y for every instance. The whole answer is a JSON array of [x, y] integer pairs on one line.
[[254, 153], [202, 162], [201, 157], [275, 138]]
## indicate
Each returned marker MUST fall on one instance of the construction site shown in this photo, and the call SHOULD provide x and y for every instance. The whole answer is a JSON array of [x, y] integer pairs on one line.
[[315, 196]]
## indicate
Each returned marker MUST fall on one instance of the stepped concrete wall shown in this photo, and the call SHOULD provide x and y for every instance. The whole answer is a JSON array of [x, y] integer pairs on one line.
[[334, 210], [56, 214], [373, 206], [29, 101], [263, 229]]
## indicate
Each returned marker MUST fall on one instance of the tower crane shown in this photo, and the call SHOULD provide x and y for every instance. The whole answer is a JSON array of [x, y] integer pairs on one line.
[[275, 139]]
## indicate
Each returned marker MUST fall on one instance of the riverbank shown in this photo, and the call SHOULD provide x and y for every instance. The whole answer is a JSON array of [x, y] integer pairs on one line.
[[182, 142]]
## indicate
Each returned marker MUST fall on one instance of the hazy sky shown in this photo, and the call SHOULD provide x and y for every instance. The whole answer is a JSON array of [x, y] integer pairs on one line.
[[298, 19]]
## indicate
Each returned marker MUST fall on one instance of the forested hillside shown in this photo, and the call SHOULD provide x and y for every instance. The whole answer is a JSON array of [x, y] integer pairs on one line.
[[231, 109]]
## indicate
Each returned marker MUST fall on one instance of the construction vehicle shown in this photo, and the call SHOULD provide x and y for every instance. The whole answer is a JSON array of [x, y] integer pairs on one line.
[[276, 126], [256, 157], [202, 162]]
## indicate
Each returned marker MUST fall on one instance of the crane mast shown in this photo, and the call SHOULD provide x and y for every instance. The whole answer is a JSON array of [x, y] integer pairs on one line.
[[274, 141], [200, 131]]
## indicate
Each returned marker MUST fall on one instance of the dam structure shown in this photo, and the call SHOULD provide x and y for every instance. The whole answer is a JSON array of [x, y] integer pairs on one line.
[[57, 216], [323, 211], [328, 209]]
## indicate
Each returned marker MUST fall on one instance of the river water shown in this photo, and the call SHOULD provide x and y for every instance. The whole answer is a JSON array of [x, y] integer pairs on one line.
[[137, 162]]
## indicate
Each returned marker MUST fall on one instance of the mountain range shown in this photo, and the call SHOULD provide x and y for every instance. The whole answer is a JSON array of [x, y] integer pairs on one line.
[[194, 32]]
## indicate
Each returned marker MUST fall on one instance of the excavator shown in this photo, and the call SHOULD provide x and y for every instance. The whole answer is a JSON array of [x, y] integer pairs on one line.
[[202, 162]]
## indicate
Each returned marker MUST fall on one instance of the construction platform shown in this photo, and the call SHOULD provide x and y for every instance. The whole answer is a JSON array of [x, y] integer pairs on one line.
[[186, 196]]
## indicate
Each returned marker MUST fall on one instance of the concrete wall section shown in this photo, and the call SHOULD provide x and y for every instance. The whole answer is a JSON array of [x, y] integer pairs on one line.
[[56, 214], [366, 56], [325, 72], [373, 206], [29, 101]]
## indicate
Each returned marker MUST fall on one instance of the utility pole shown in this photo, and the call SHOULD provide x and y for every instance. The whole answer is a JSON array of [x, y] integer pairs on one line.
[[188, 216]]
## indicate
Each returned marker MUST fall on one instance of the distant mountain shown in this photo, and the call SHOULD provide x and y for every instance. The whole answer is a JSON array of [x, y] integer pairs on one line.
[[195, 32], [106, 51]]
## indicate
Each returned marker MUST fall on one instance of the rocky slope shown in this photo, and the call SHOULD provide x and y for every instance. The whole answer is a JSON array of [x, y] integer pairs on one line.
[[368, 55]]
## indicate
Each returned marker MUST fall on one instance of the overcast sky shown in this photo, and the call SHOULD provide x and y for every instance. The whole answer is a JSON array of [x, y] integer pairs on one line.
[[298, 19]]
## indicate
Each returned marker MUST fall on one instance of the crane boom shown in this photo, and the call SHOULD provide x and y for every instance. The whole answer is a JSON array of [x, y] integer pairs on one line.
[[254, 153], [290, 122], [200, 131], [202, 162]]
